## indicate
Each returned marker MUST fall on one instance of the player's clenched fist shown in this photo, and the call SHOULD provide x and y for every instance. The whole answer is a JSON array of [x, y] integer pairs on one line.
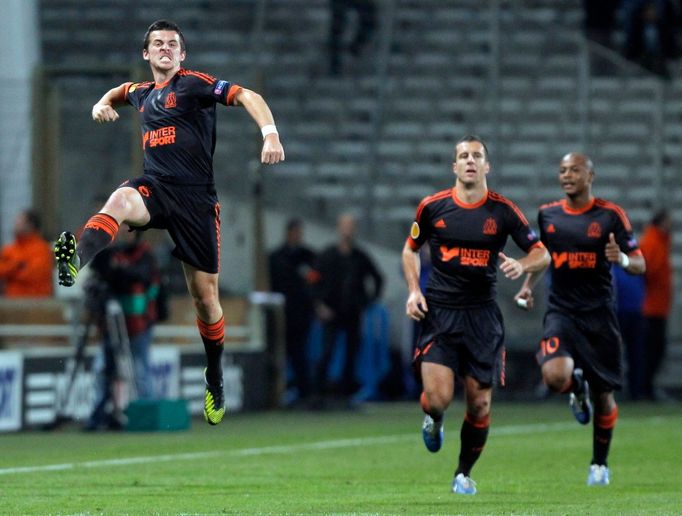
[[416, 306], [104, 113], [272, 152]]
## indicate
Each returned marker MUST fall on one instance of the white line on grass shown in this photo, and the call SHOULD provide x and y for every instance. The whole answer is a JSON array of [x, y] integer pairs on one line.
[[283, 449]]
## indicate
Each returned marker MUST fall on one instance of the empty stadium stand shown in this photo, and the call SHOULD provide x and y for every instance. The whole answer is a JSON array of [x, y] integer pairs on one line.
[[378, 138]]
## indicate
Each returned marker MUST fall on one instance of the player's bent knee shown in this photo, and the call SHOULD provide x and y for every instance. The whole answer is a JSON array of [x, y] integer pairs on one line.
[[204, 302], [124, 204], [556, 381], [479, 409], [436, 401], [207, 306], [557, 374]]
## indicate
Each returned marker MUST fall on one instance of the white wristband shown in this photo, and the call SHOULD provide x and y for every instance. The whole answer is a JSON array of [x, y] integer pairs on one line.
[[268, 129], [624, 260]]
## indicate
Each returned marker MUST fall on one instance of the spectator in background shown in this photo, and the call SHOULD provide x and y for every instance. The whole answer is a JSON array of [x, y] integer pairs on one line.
[[26, 264], [292, 274], [629, 290], [656, 247], [341, 295], [340, 10], [128, 273], [600, 18], [649, 33]]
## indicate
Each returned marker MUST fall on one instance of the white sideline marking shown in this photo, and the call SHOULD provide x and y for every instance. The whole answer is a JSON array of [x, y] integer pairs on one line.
[[283, 449]]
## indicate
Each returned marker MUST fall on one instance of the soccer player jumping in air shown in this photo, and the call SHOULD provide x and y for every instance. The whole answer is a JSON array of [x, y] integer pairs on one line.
[[176, 191], [581, 350], [461, 331]]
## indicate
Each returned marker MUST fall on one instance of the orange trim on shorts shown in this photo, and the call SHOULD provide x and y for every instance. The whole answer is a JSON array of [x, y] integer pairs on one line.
[[607, 421], [482, 423], [103, 222], [214, 331], [216, 210]]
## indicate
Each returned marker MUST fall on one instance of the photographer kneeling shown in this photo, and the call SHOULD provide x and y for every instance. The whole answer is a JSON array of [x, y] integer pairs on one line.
[[121, 300]]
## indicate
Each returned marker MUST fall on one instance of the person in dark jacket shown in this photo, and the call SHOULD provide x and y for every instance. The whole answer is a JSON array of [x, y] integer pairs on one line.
[[292, 274], [349, 281]]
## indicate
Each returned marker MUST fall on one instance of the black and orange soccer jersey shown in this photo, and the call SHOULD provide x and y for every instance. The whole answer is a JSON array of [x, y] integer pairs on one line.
[[576, 240], [179, 124], [465, 240]]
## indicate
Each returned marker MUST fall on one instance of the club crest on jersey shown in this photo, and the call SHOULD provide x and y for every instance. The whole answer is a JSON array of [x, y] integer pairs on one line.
[[414, 230], [490, 226], [219, 87], [171, 101], [594, 230]]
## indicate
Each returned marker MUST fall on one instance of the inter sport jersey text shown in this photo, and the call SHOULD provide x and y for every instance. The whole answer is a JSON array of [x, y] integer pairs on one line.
[[179, 124], [576, 240], [464, 240]]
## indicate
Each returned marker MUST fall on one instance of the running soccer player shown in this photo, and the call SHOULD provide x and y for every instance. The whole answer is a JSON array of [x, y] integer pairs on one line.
[[580, 351], [461, 331], [176, 191]]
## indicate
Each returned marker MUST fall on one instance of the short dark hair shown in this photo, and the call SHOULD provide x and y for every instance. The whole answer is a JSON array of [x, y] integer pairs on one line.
[[33, 218], [472, 138], [164, 25], [660, 216], [294, 223]]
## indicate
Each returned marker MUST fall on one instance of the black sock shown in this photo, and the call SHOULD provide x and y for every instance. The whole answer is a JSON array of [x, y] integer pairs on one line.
[[601, 436], [213, 337], [99, 232], [473, 436]]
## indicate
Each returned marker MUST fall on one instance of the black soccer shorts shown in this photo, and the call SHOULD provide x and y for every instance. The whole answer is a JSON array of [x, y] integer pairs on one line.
[[469, 341], [592, 338], [190, 214]]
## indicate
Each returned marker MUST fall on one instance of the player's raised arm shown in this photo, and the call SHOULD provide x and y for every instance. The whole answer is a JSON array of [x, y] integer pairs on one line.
[[104, 110], [272, 152]]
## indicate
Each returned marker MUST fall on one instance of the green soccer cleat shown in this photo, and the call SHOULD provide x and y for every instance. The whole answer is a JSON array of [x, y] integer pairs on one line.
[[68, 263], [214, 402]]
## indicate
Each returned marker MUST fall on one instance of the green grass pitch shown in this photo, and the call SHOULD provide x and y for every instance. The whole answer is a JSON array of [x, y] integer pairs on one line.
[[369, 461]]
